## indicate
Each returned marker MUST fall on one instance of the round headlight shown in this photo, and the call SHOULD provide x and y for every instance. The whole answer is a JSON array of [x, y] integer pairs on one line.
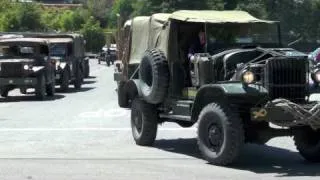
[[248, 77], [316, 76], [26, 67]]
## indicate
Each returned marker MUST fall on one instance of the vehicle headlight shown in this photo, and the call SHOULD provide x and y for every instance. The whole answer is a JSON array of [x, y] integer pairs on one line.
[[27, 67], [316, 76], [248, 77]]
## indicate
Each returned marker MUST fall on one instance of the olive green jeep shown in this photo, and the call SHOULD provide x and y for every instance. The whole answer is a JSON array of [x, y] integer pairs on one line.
[[243, 88], [26, 63]]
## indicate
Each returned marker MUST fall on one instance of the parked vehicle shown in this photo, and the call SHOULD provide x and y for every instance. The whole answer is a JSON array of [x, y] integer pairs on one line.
[[26, 63], [242, 82], [108, 55]]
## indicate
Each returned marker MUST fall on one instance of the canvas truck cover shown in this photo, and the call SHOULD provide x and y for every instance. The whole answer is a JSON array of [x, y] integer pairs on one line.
[[140, 35], [153, 31], [159, 32], [148, 32], [218, 17]]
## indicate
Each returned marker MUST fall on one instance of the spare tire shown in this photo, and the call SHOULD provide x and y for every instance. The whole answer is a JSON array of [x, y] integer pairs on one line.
[[154, 76]]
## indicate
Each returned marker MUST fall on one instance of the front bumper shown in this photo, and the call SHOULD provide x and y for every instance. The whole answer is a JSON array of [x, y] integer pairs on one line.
[[285, 113], [18, 81]]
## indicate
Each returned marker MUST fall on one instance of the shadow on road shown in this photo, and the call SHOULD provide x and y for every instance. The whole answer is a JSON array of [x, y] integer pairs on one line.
[[29, 98], [89, 82], [91, 77], [73, 90], [255, 158]]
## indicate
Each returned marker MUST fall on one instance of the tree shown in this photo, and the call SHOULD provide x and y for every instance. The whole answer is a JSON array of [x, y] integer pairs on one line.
[[93, 35], [100, 10], [122, 7], [29, 17]]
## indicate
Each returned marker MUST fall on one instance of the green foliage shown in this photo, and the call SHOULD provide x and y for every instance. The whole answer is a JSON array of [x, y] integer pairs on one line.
[[122, 7], [94, 35]]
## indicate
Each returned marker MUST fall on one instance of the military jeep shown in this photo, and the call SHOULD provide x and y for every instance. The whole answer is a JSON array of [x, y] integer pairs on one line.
[[26, 63], [245, 87], [68, 50]]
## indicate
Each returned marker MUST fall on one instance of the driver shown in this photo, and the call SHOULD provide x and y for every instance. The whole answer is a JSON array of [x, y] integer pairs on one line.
[[197, 45]]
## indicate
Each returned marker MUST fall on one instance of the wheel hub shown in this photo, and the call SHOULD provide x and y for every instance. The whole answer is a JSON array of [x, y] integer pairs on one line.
[[138, 123], [215, 135]]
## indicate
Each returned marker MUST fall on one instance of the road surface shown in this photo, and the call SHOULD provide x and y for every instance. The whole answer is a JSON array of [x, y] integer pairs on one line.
[[84, 135]]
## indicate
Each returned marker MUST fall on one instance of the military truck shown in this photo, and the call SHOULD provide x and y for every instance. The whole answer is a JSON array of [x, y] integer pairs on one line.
[[244, 88], [26, 63]]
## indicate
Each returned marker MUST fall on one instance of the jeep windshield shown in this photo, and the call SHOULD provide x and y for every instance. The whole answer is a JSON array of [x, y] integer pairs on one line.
[[59, 50], [222, 37], [8, 52]]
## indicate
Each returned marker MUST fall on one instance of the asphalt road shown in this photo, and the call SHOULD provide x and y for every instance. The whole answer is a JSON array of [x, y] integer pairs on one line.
[[84, 135]]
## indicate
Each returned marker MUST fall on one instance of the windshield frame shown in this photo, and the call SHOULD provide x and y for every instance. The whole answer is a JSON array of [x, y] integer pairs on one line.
[[278, 42]]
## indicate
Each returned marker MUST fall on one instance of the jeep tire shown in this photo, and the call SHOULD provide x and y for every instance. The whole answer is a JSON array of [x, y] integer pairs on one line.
[[220, 134], [65, 79], [23, 90], [307, 142], [86, 69], [78, 78], [122, 95], [154, 76], [51, 88], [4, 92], [40, 88], [144, 122]]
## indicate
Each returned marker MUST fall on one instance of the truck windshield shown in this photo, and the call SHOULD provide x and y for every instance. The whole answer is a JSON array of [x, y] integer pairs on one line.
[[16, 51], [59, 50], [235, 35]]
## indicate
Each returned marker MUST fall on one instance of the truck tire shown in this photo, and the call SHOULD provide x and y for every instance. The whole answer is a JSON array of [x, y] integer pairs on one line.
[[23, 90], [307, 142], [51, 88], [220, 134], [4, 92], [154, 76], [122, 95], [78, 78], [65, 81], [40, 88], [144, 122], [87, 70]]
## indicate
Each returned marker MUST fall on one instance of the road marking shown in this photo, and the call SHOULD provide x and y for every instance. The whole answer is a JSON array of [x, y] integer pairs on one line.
[[4, 105], [85, 129], [101, 113]]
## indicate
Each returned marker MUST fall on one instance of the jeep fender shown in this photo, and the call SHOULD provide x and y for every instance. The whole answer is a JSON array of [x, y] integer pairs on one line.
[[128, 91], [233, 93]]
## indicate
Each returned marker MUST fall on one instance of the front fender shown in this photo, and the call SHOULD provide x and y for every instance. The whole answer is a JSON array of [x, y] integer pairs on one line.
[[233, 93], [127, 91]]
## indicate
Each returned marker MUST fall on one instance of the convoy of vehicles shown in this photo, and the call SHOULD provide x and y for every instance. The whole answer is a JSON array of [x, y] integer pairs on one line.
[[240, 82], [26, 63], [66, 51], [244, 81]]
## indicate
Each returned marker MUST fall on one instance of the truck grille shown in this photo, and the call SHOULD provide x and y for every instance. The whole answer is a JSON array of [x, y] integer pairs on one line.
[[287, 78], [11, 69]]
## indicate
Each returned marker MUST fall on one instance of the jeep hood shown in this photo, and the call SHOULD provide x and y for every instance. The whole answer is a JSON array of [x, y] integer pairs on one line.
[[17, 60]]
